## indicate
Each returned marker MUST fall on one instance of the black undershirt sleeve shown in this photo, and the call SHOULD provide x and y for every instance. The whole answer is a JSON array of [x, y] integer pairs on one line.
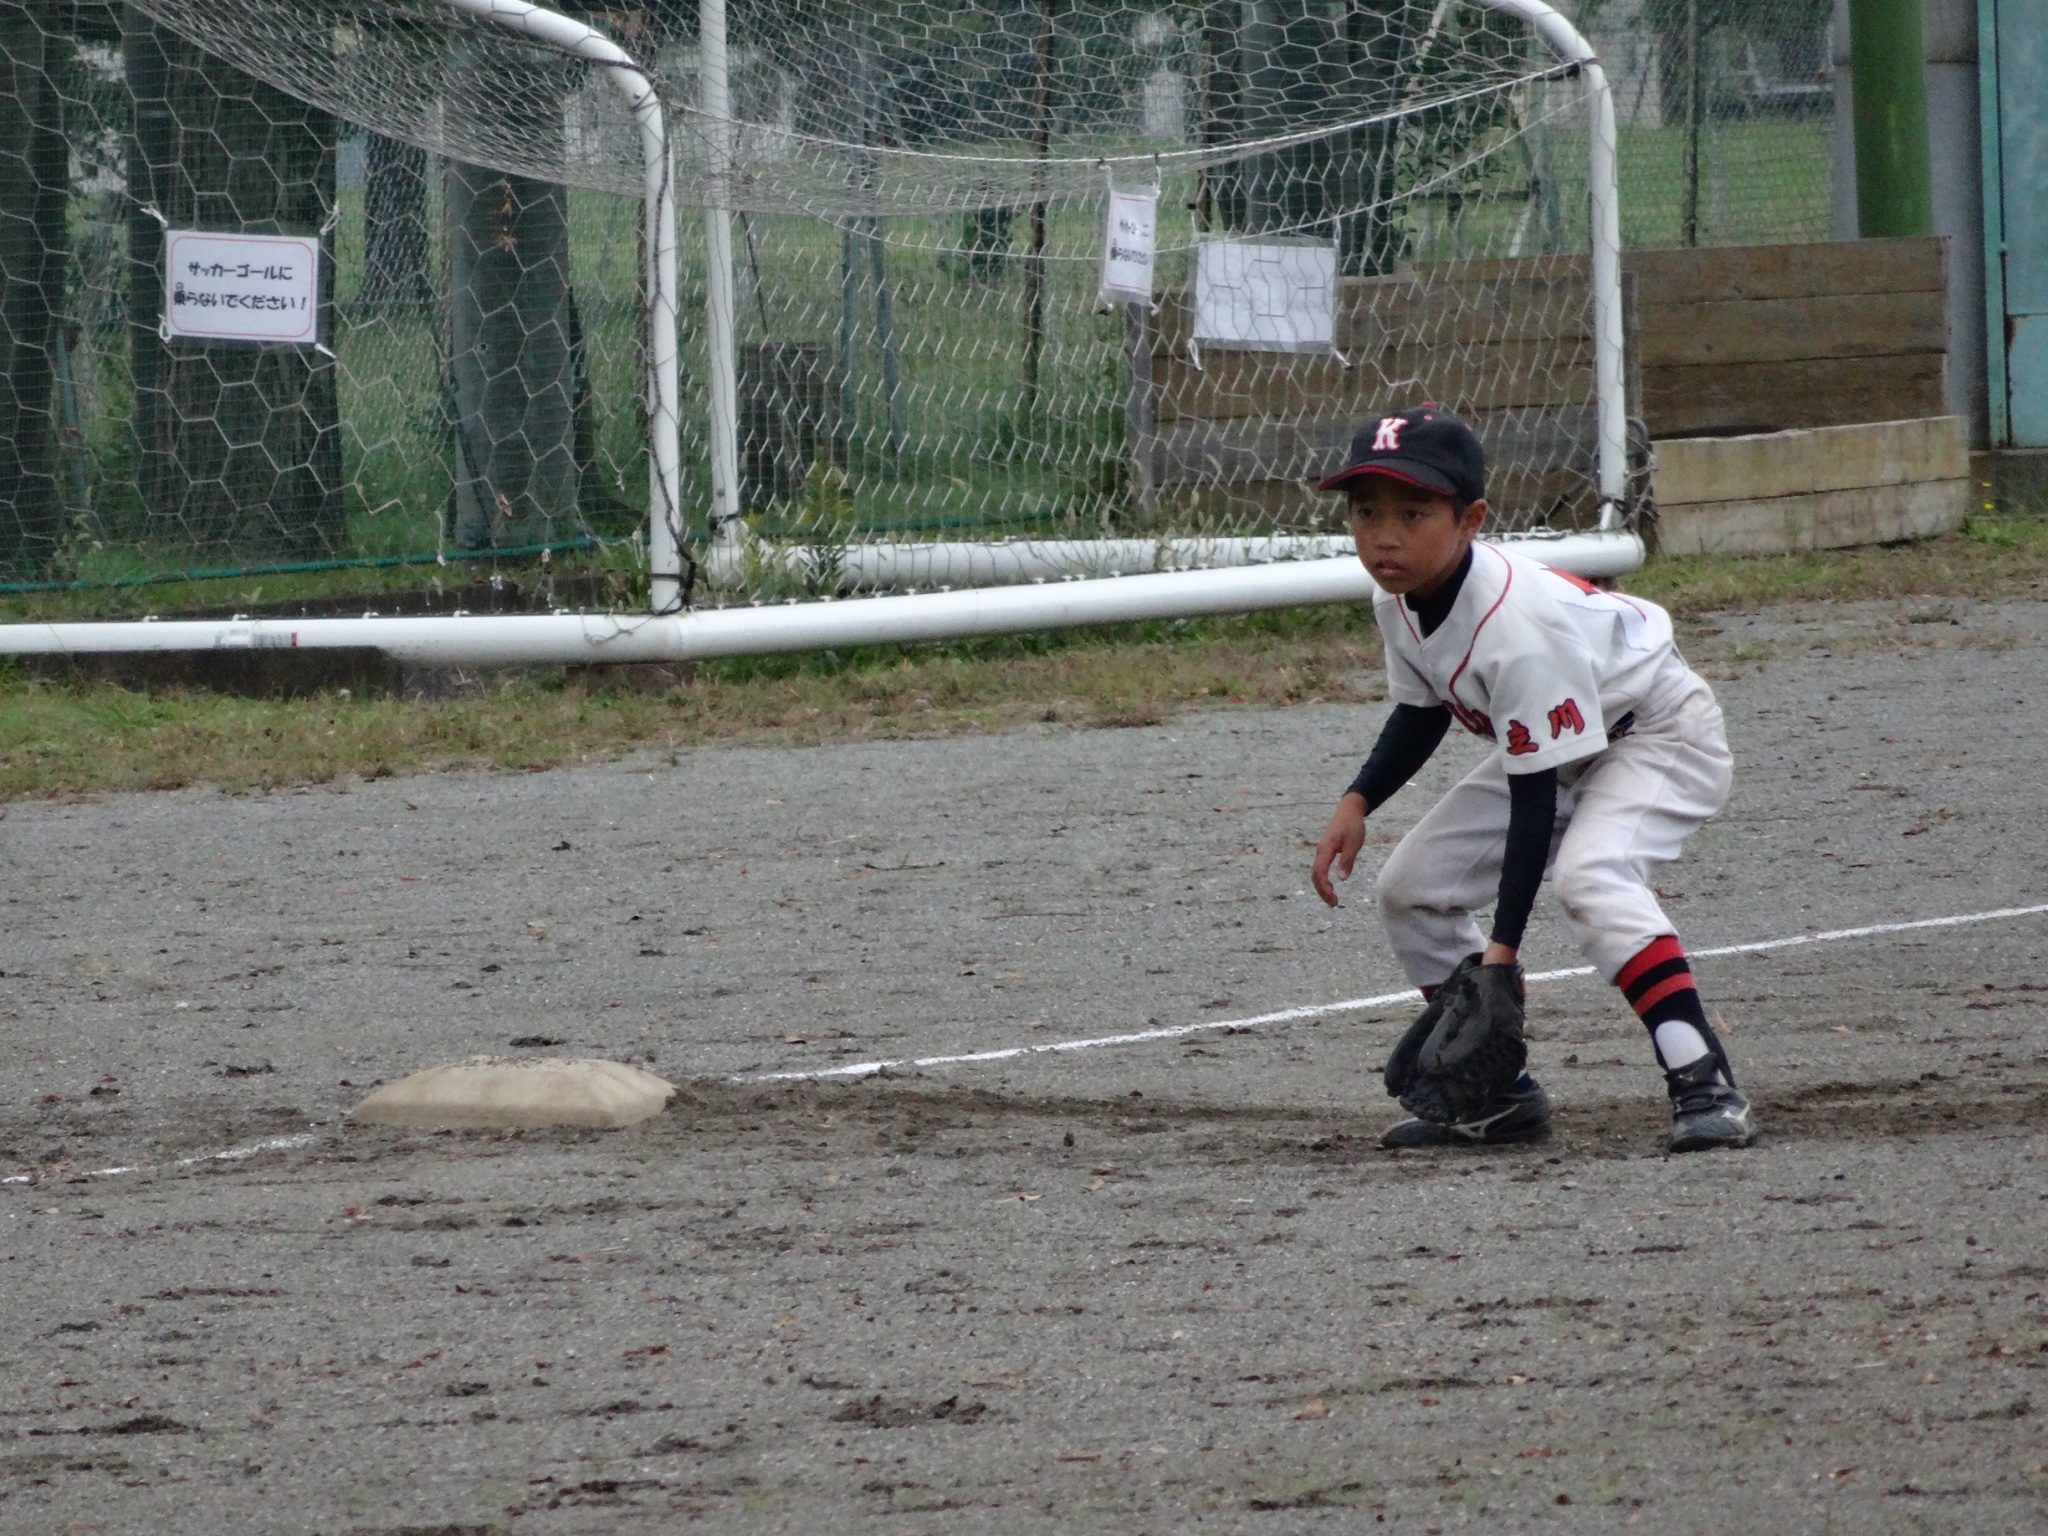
[[1411, 734], [1532, 816]]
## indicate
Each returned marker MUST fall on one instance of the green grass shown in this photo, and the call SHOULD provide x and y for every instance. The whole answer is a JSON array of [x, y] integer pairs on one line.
[[1994, 556], [60, 738]]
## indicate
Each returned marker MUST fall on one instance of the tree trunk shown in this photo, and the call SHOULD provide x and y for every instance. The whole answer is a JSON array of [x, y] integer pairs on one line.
[[395, 246], [1219, 201], [239, 445], [1270, 66], [33, 248], [512, 359], [1381, 48]]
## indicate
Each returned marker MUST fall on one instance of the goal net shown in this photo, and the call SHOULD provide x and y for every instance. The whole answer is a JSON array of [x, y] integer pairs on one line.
[[1353, 207]]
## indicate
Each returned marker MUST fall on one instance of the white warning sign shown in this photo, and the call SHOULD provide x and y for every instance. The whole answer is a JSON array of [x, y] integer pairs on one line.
[[1128, 245], [1266, 295], [242, 287]]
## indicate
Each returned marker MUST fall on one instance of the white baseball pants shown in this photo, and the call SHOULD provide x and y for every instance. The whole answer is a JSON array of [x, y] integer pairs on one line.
[[1618, 813]]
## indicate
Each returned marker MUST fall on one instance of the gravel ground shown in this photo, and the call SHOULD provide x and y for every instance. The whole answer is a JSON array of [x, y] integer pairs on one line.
[[1147, 1287]]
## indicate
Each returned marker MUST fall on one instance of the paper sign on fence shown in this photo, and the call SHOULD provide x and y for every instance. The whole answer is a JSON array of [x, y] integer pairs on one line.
[[242, 287], [1269, 295], [1128, 246]]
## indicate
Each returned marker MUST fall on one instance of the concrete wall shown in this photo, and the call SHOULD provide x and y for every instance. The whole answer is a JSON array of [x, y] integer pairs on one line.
[[1950, 32]]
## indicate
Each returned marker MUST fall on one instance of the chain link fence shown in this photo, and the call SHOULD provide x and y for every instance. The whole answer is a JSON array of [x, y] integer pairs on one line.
[[1727, 112], [477, 399]]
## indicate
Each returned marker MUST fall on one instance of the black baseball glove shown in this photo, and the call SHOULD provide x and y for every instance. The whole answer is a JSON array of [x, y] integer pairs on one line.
[[1401, 1067], [1473, 1051]]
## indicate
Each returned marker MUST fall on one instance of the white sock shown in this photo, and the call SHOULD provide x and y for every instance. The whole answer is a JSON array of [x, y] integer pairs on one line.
[[1678, 1044]]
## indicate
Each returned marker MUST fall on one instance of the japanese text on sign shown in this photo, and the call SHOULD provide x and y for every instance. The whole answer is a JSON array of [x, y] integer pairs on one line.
[[242, 287], [1128, 246], [1273, 294]]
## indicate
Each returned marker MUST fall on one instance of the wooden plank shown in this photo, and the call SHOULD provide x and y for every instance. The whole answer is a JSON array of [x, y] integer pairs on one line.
[[1767, 465], [1467, 313], [1678, 275], [1557, 498], [1256, 384], [1761, 272], [1487, 268], [1245, 449], [1548, 284], [1251, 448], [1874, 514], [1478, 379], [1564, 499], [1719, 399], [1786, 330], [1406, 311], [1307, 447], [1285, 504]]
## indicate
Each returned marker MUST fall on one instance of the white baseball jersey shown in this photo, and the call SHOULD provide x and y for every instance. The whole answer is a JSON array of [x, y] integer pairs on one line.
[[1542, 662]]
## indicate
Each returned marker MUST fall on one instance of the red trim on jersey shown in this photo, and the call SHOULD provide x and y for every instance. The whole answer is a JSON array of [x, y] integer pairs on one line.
[[1401, 603], [1451, 687], [1653, 954], [1682, 982], [1578, 581], [1589, 589]]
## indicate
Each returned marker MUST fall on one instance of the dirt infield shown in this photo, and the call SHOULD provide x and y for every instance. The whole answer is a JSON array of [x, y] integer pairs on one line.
[[1148, 1287]]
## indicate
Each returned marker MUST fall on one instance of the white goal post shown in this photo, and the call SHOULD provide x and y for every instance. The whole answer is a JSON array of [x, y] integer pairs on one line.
[[664, 400]]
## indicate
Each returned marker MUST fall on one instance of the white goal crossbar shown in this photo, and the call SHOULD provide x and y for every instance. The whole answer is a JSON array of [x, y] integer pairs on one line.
[[601, 639]]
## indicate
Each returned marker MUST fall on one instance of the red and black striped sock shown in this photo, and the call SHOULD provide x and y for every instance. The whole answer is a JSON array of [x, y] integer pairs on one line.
[[1658, 985]]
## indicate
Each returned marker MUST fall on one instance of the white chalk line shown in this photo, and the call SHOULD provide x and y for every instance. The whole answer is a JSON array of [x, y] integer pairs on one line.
[[1349, 1005], [231, 1155], [1135, 1037]]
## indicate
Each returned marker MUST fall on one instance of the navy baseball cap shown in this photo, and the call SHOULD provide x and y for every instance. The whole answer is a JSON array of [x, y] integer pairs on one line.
[[1426, 447]]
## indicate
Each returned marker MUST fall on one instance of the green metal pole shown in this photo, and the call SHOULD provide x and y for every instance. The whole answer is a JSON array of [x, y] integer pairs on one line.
[[1888, 58]]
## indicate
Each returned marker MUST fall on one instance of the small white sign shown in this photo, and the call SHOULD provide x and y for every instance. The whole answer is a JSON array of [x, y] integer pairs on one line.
[[1128, 247], [242, 287], [1270, 295]]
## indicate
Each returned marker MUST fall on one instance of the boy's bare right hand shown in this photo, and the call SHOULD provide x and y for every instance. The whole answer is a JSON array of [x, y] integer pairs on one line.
[[1341, 841]]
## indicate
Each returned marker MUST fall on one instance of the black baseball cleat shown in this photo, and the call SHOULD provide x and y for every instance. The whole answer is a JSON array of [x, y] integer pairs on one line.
[[1706, 1112], [1522, 1114]]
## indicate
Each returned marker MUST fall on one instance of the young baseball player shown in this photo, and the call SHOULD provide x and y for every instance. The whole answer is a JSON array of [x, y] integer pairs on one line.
[[1608, 750]]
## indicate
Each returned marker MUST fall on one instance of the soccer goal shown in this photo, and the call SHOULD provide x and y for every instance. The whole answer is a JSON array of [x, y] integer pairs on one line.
[[1004, 292], [949, 373]]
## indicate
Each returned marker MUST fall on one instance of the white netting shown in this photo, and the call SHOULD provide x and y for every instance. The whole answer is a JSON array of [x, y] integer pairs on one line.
[[917, 193], [921, 201], [918, 207], [943, 373], [890, 108]]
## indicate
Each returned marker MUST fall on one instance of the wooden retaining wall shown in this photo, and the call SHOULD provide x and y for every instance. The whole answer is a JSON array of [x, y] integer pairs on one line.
[[1721, 342], [1241, 433], [1771, 337], [1813, 487]]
